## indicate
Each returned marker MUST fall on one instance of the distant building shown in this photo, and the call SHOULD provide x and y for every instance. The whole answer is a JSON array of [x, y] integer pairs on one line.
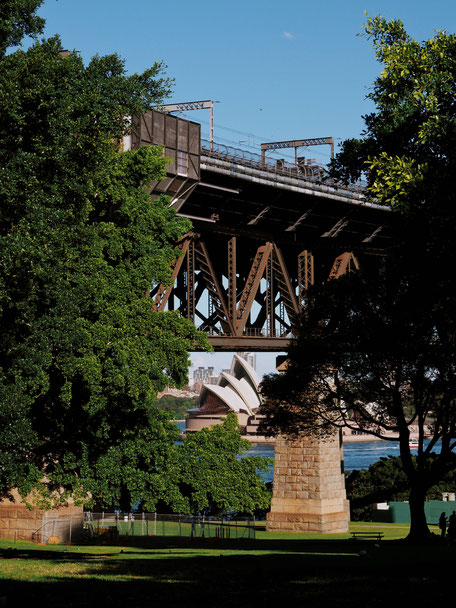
[[236, 391], [250, 358], [186, 392], [204, 374], [197, 387]]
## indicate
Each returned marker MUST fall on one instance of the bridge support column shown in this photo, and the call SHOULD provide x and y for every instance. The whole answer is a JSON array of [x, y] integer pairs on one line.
[[309, 486]]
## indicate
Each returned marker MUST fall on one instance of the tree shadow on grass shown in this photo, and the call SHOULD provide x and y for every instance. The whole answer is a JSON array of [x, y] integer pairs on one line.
[[177, 576]]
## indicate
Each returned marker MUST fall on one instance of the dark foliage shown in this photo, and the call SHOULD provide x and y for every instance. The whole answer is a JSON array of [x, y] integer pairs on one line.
[[377, 350]]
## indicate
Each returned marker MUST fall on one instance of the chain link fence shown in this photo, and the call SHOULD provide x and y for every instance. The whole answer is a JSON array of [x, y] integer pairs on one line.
[[57, 529], [112, 526]]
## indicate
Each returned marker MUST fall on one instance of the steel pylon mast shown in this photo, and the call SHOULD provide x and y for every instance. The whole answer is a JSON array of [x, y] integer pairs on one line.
[[195, 105], [297, 143]]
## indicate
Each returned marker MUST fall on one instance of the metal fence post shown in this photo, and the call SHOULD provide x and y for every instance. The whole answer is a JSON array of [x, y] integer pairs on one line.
[[43, 520], [194, 525]]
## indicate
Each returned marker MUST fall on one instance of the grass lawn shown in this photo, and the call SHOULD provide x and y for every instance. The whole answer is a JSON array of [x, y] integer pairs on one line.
[[306, 569]]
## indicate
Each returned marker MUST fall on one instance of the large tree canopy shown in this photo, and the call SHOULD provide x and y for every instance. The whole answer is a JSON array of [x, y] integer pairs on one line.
[[18, 19], [386, 481], [370, 355], [378, 351], [215, 474], [208, 472], [82, 352]]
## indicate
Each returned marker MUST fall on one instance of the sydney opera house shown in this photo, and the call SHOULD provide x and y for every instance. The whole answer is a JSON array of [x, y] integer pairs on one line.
[[236, 391]]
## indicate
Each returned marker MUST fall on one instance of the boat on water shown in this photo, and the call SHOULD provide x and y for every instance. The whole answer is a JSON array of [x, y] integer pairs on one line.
[[413, 444]]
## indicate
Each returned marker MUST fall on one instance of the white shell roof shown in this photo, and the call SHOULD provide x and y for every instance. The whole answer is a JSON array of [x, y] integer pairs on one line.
[[240, 368], [242, 387], [227, 395]]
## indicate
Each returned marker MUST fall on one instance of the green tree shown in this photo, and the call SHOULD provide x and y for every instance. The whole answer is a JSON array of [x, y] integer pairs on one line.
[[385, 481], [18, 19], [372, 355], [177, 406], [141, 469], [82, 352], [378, 351], [215, 474]]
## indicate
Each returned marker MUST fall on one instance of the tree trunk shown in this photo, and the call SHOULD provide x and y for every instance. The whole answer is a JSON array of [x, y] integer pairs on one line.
[[419, 530]]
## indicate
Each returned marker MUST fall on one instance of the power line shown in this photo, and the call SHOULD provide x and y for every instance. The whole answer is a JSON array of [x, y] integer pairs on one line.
[[257, 150], [253, 136]]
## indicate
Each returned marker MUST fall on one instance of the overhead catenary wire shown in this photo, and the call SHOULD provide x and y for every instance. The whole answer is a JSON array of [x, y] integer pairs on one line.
[[253, 145]]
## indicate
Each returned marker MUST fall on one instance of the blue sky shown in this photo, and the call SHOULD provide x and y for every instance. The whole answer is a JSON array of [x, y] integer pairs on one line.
[[281, 70]]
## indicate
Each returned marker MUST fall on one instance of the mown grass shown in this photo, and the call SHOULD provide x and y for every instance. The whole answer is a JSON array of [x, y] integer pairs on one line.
[[280, 568], [390, 531]]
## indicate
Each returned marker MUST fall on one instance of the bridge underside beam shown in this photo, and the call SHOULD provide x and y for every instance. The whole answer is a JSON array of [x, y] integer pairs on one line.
[[249, 343], [246, 294]]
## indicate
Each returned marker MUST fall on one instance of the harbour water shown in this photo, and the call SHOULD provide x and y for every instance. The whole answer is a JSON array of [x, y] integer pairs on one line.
[[357, 455], [361, 455]]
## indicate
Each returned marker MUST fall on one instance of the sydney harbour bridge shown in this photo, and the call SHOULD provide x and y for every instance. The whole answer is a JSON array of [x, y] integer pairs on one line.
[[263, 231]]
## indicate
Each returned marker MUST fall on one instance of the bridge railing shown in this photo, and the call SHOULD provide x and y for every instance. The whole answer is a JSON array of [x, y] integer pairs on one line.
[[250, 332], [308, 172]]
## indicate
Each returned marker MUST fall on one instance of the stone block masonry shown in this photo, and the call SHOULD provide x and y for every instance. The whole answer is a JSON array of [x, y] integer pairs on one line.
[[309, 486], [19, 523]]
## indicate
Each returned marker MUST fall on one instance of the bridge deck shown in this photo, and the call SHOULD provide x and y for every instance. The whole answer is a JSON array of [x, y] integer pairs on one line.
[[263, 231]]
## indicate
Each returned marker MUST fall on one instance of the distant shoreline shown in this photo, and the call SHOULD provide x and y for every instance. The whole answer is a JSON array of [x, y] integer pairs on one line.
[[345, 439], [365, 438], [271, 440]]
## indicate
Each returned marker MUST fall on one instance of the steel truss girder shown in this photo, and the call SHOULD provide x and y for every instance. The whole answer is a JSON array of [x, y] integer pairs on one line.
[[245, 301], [216, 295], [162, 296], [305, 273], [346, 262], [336, 229], [232, 277], [251, 287], [284, 284]]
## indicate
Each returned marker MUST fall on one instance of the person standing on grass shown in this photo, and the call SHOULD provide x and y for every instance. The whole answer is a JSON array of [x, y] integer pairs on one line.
[[442, 524], [453, 518], [452, 528]]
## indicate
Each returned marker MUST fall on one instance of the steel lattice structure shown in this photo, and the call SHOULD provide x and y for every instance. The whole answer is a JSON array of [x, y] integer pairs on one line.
[[263, 232]]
